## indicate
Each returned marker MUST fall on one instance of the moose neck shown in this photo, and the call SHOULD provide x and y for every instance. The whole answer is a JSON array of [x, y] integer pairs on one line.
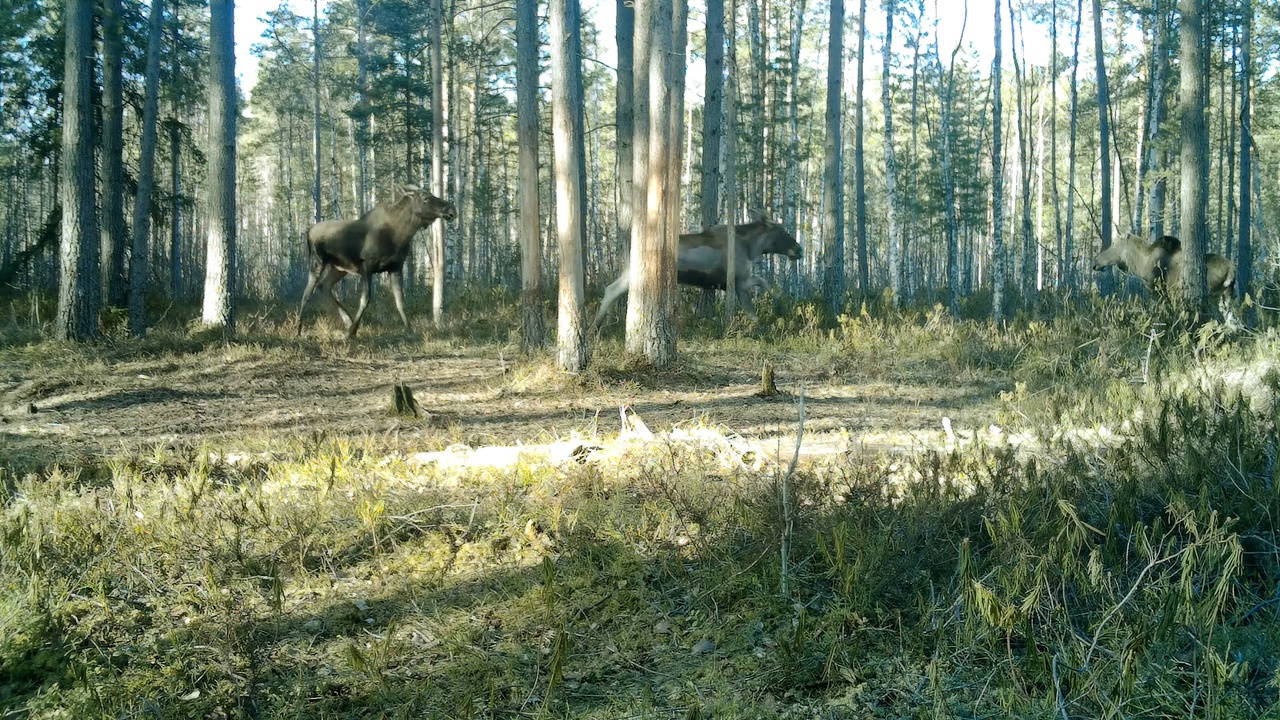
[[751, 238]]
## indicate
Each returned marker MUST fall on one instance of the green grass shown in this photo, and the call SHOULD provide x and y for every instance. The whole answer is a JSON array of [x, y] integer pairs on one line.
[[334, 577]]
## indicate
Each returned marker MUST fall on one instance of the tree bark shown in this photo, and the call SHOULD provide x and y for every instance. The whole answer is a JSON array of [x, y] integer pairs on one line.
[[1104, 139], [219, 279], [890, 161], [625, 108], [113, 235], [1053, 142], [712, 117], [176, 289], [532, 330], [315, 110], [859, 164], [362, 88], [947, 80], [1244, 245], [833, 175], [997, 183], [437, 160], [731, 167], [1068, 243], [78, 292], [146, 178], [1195, 153], [1027, 274], [567, 131]]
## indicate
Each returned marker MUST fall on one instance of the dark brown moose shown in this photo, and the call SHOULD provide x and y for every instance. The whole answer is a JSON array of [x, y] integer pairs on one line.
[[1159, 263], [702, 260], [376, 243]]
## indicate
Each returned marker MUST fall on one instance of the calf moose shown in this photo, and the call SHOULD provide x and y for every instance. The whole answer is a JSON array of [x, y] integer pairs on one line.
[[376, 243], [1159, 263]]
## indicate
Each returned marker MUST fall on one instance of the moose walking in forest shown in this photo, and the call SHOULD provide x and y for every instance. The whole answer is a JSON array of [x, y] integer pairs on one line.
[[376, 243], [1159, 263], [702, 260]]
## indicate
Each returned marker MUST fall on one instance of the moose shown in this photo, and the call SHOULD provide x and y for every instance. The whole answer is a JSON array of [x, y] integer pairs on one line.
[[702, 260], [376, 243], [1159, 263]]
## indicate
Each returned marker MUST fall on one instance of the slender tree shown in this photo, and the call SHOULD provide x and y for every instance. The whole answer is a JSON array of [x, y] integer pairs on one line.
[[1053, 139], [532, 331], [146, 177], [859, 164], [1068, 243], [315, 109], [832, 180], [219, 279], [997, 183], [1027, 276], [1104, 138], [713, 121], [946, 78], [1244, 246], [362, 88], [1194, 197], [176, 289], [78, 293], [113, 227], [437, 159], [890, 161], [567, 138], [791, 200], [731, 167], [625, 109]]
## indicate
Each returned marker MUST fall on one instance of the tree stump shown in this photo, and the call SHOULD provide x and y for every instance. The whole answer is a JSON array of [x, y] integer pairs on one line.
[[767, 386], [403, 401]]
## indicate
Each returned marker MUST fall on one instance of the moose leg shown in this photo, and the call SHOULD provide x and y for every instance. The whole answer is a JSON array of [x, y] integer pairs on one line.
[[744, 286], [313, 277], [366, 289], [612, 293], [397, 293], [327, 282]]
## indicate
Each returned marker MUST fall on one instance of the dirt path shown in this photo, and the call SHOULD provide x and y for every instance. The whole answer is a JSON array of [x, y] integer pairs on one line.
[[252, 397]]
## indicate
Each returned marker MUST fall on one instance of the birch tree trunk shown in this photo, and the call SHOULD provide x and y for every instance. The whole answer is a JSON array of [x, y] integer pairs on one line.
[[532, 331], [219, 279], [78, 292], [146, 178], [437, 160]]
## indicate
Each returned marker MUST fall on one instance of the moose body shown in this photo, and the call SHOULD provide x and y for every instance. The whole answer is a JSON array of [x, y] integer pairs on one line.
[[702, 260], [1159, 263], [376, 243]]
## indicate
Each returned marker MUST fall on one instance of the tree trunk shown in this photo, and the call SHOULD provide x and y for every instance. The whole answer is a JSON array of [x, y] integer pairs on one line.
[[219, 279], [1195, 153], [676, 65], [1027, 274], [712, 119], [315, 109], [890, 163], [362, 88], [859, 165], [566, 106], [947, 81], [113, 235], [997, 183], [642, 297], [1244, 245], [437, 160], [625, 108], [78, 293], [790, 209], [1068, 243], [1053, 142], [531, 321], [146, 178], [176, 289], [1104, 139], [731, 167], [833, 175]]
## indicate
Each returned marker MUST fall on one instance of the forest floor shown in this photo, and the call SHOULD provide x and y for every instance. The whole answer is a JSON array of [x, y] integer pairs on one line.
[[196, 529]]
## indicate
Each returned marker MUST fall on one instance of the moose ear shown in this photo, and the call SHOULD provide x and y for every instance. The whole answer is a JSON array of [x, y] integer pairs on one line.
[[758, 215]]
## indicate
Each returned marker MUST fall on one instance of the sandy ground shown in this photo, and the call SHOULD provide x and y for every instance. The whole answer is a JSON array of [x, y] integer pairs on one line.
[[253, 398]]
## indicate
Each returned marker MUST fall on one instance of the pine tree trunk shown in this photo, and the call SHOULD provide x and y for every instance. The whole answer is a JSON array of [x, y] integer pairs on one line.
[[1068, 242], [1053, 143], [438, 258], [531, 322], [997, 182], [890, 162], [176, 289], [567, 135], [1244, 245], [1104, 140], [362, 88], [790, 205], [1027, 275], [1229, 238], [625, 107], [676, 65], [146, 178], [78, 292], [219, 279], [113, 230], [642, 296], [947, 81], [833, 175], [712, 114], [860, 168], [317, 214], [1195, 152], [731, 166]]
